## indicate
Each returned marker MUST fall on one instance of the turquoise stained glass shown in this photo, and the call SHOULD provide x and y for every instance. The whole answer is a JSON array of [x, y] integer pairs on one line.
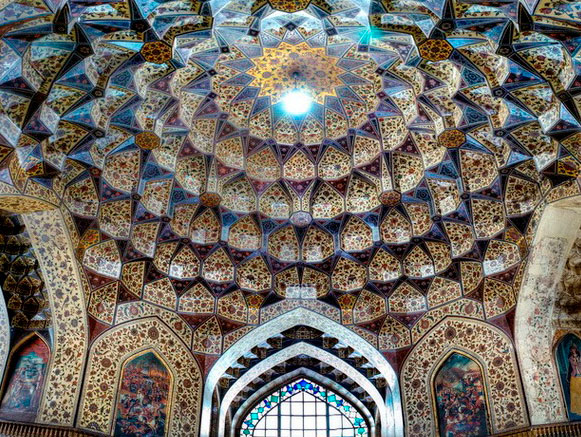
[[304, 409]]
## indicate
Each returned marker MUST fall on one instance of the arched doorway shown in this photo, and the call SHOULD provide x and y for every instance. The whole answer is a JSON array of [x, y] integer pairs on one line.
[[301, 349], [389, 406], [289, 378], [535, 330]]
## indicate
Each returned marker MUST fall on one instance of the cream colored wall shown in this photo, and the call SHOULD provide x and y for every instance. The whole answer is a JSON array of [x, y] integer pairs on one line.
[[535, 313]]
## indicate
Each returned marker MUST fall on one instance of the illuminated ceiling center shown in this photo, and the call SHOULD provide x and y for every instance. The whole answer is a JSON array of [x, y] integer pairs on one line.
[[411, 189]]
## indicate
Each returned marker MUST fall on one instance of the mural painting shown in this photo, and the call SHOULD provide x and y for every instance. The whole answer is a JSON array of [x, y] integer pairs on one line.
[[460, 399], [568, 356], [24, 388], [143, 399]]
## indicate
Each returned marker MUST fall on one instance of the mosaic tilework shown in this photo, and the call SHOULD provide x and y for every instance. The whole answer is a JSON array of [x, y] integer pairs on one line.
[[109, 353]]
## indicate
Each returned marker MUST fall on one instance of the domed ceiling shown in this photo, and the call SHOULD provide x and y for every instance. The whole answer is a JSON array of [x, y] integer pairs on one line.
[[408, 192]]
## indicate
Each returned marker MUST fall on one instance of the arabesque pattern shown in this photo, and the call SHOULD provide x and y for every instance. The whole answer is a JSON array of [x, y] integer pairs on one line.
[[409, 193]]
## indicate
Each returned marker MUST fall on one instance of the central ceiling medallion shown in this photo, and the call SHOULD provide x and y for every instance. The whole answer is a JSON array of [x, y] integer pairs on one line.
[[301, 219], [288, 66], [291, 6], [297, 102], [341, 84]]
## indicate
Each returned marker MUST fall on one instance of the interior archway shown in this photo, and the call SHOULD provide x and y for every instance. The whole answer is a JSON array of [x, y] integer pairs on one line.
[[312, 351], [114, 348], [303, 407], [53, 240], [484, 343], [534, 329], [284, 379], [297, 317]]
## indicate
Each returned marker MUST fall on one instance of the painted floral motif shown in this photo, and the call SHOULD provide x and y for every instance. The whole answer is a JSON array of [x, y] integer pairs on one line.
[[169, 182]]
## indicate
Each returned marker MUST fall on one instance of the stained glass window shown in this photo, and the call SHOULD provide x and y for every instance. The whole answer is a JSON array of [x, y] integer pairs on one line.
[[304, 409]]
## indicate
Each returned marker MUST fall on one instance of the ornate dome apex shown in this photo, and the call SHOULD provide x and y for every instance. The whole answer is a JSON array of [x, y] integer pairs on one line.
[[437, 132]]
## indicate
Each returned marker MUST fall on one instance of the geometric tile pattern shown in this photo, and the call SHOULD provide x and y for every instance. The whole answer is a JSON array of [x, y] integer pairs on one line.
[[423, 160], [410, 192]]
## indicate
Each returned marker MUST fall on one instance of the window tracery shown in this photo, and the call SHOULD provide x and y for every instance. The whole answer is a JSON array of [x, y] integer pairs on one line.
[[304, 409]]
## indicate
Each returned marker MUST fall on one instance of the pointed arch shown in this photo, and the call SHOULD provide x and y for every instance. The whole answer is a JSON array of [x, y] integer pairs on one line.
[[26, 374], [53, 242], [567, 353], [303, 316], [477, 393], [147, 374], [311, 395], [490, 347], [113, 348], [292, 351], [288, 377]]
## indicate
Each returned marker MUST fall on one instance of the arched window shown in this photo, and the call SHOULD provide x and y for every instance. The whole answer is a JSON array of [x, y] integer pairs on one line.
[[304, 409], [25, 380], [144, 394], [568, 357], [460, 398]]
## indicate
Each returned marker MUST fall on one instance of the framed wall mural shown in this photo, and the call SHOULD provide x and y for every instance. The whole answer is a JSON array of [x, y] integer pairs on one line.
[[460, 398], [143, 400], [27, 369], [568, 357]]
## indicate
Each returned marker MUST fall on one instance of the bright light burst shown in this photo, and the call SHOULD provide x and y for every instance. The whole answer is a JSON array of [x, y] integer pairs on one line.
[[297, 102]]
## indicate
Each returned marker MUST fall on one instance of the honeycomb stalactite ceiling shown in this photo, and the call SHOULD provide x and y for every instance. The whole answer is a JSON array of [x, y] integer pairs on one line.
[[409, 191], [21, 278]]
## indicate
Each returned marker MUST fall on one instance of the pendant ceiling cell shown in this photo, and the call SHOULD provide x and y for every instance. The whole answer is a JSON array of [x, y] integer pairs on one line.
[[385, 161]]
